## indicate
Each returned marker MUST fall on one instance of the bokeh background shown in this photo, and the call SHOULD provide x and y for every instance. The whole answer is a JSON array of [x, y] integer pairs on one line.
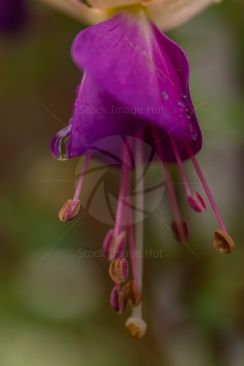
[[54, 307]]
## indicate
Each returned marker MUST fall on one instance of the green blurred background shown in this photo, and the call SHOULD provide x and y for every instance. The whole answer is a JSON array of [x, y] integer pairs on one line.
[[54, 307]]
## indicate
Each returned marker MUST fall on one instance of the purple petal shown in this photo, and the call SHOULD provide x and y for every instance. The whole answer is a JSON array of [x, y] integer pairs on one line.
[[134, 77], [141, 69], [96, 116]]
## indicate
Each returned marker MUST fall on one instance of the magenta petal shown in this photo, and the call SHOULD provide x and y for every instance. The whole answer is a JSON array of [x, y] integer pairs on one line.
[[142, 69], [95, 116]]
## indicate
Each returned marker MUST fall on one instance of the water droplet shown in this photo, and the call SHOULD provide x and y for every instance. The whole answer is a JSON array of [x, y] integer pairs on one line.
[[60, 142], [63, 143]]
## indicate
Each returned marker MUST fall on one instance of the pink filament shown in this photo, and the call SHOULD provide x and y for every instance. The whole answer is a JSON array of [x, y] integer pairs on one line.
[[169, 183], [208, 192], [122, 192], [82, 176], [181, 168], [131, 237]]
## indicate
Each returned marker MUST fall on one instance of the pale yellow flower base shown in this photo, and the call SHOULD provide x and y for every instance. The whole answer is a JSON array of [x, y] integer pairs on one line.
[[167, 14]]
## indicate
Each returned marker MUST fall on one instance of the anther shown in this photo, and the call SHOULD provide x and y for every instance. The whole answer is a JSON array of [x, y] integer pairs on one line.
[[118, 270], [117, 301], [207, 191], [179, 226], [131, 293], [69, 210], [222, 242], [113, 245], [196, 202]]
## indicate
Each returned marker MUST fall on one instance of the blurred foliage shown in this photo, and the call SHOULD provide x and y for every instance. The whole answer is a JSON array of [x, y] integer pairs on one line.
[[53, 303]]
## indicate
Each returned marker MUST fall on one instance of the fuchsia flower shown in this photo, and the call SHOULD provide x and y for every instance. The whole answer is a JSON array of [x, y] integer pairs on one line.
[[12, 15], [130, 66]]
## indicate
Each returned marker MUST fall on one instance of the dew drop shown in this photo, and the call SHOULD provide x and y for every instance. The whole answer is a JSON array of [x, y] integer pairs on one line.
[[63, 143], [60, 142]]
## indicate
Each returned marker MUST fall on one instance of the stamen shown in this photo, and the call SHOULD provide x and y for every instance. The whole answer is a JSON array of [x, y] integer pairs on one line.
[[132, 254], [194, 200], [118, 270], [178, 225], [222, 240], [131, 235], [122, 192], [113, 246], [139, 203], [71, 207], [69, 211], [223, 243], [131, 294], [114, 241], [180, 230], [208, 192], [117, 301], [82, 176]]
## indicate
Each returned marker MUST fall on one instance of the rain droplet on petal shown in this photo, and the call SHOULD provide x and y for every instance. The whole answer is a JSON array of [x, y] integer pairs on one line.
[[63, 143]]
